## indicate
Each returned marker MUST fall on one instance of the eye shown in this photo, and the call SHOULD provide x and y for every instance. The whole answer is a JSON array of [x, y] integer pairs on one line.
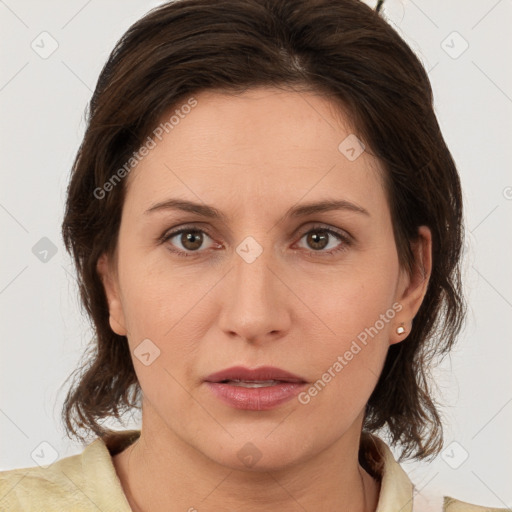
[[190, 239], [320, 237]]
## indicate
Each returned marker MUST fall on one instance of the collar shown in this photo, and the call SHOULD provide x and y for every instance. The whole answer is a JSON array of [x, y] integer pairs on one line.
[[396, 489], [101, 483]]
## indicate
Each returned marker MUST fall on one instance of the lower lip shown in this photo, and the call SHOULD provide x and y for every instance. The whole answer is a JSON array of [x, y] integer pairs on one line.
[[256, 399]]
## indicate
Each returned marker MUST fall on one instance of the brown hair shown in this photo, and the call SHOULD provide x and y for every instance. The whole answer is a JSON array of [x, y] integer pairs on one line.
[[341, 48]]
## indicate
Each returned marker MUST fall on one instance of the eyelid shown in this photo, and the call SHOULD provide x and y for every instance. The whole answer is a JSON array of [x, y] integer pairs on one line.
[[171, 232], [315, 225], [344, 236], [327, 227]]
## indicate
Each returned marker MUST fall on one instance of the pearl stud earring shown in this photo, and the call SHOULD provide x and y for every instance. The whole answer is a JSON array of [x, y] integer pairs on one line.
[[400, 329]]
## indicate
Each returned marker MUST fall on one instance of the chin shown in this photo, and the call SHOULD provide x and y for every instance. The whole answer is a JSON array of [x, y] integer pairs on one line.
[[254, 462], [261, 454]]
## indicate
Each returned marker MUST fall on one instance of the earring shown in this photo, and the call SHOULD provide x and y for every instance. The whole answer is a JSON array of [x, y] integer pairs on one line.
[[400, 329]]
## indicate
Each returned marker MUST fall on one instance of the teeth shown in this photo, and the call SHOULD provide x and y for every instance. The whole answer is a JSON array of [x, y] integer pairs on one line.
[[252, 383]]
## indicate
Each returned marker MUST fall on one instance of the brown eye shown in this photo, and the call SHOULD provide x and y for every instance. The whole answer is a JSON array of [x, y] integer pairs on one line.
[[191, 240], [320, 238], [318, 241], [186, 240]]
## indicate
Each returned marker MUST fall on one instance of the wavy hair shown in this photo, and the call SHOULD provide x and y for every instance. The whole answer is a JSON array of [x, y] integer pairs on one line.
[[341, 48]]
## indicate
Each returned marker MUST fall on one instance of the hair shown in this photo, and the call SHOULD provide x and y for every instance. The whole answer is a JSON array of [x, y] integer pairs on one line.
[[340, 48]]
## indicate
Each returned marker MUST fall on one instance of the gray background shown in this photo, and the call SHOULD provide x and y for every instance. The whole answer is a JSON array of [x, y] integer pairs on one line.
[[42, 103]]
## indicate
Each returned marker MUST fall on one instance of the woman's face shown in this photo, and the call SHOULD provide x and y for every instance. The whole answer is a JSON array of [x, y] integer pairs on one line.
[[317, 292]]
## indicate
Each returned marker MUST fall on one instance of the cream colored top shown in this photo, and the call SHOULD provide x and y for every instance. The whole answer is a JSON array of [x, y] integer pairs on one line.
[[88, 482]]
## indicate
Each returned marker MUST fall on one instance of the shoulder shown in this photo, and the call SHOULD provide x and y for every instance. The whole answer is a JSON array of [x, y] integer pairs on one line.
[[397, 492], [425, 502], [41, 487], [84, 482], [454, 505]]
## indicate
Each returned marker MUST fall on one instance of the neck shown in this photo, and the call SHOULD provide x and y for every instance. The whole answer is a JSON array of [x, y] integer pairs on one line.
[[163, 473]]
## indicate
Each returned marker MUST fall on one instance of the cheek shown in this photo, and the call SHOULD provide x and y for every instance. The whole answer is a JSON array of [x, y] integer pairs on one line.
[[345, 368], [162, 308], [172, 304], [153, 294], [354, 299], [357, 314]]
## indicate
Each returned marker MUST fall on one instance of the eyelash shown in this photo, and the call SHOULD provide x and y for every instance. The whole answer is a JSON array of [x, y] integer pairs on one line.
[[346, 239]]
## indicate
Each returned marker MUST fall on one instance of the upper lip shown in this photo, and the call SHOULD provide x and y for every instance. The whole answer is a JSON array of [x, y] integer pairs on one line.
[[261, 373]]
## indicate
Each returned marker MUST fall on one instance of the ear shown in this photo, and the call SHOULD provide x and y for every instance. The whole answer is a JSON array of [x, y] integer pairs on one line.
[[412, 287], [110, 282]]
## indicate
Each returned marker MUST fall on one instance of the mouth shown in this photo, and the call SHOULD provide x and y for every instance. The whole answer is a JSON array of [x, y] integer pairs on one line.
[[256, 389], [251, 383], [257, 377]]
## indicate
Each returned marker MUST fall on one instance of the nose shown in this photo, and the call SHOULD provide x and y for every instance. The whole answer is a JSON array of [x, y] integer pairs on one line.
[[256, 300]]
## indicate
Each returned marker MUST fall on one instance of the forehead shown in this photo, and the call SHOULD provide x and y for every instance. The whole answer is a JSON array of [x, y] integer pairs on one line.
[[265, 144]]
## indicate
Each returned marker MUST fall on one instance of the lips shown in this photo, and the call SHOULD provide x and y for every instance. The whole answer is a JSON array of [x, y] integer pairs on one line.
[[258, 389], [267, 375]]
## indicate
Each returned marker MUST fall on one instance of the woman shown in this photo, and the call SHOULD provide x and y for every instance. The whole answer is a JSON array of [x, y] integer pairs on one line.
[[267, 229]]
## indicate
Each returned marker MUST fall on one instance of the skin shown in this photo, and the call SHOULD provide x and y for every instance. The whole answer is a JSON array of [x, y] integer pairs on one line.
[[254, 156]]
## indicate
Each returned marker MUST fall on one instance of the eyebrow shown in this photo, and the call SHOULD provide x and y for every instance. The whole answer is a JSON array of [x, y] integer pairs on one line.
[[294, 212]]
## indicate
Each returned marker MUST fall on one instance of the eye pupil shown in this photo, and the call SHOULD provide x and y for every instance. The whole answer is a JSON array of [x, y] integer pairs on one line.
[[194, 237], [316, 238]]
